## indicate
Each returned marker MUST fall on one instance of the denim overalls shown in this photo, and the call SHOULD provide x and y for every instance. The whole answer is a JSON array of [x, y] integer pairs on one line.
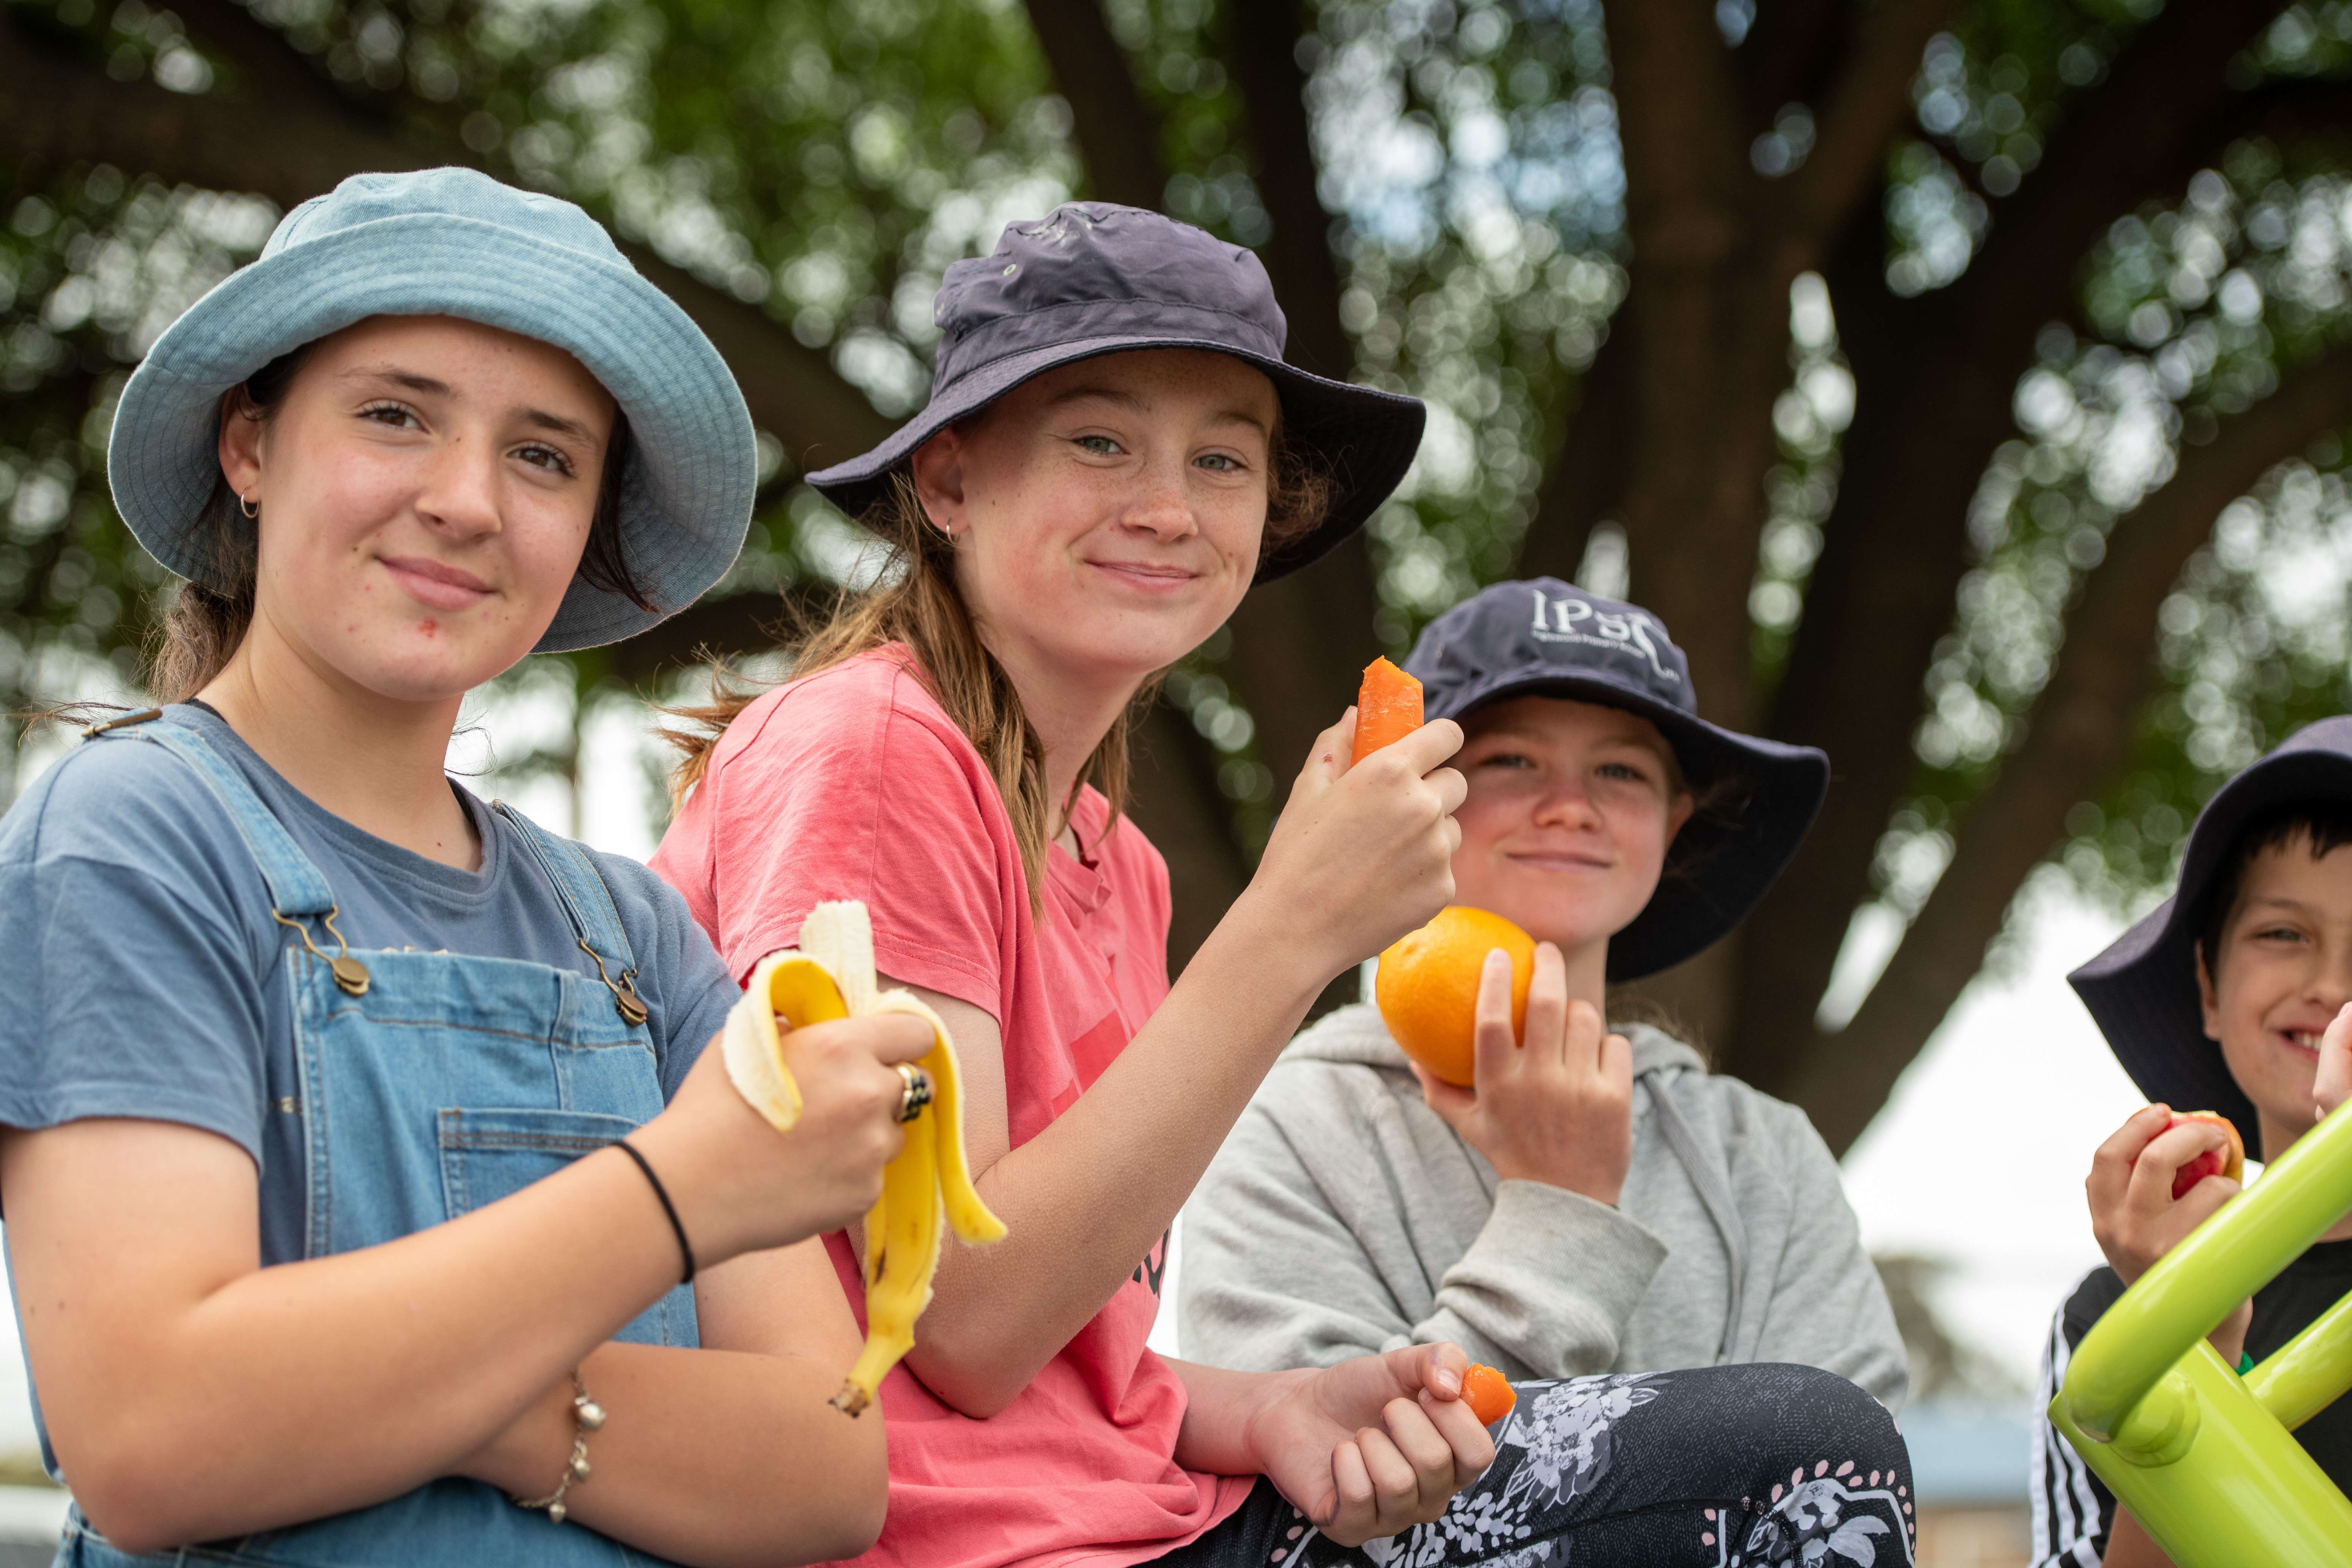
[[433, 1083]]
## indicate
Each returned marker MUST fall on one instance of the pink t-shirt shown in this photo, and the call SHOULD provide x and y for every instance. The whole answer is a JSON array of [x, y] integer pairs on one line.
[[856, 784]]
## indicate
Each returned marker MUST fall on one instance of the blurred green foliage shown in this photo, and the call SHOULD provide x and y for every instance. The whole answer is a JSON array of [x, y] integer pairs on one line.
[[824, 160]]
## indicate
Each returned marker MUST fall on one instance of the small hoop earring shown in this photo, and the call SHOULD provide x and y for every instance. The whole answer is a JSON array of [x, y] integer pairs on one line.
[[248, 508]]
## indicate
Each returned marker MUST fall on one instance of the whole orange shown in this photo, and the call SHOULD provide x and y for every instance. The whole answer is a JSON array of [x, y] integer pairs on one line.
[[1427, 986]]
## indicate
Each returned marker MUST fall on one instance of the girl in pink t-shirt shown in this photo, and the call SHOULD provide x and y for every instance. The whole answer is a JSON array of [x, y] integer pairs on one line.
[[1113, 454]]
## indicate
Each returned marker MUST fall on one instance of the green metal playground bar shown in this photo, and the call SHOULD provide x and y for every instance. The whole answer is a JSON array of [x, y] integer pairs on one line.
[[2201, 1458]]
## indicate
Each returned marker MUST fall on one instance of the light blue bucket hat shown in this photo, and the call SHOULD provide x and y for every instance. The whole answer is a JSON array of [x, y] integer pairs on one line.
[[454, 242]]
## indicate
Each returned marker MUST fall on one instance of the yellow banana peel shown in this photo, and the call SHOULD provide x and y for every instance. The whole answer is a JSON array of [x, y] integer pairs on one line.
[[831, 975]]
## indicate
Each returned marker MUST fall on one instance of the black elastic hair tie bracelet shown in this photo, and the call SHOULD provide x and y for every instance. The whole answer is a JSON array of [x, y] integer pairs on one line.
[[669, 1208]]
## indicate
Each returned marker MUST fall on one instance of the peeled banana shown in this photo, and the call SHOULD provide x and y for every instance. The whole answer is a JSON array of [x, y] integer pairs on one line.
[[829, 976]]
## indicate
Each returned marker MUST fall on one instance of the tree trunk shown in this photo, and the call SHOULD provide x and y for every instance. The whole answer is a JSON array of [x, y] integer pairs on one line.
[[1119, 135]]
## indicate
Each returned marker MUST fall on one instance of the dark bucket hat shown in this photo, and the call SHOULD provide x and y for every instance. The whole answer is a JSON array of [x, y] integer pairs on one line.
[[1544, 638], [1092, 278], [2142, 991]]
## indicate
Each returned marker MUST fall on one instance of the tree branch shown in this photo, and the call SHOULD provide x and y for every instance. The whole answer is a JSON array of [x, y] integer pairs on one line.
[[1117, 134], [1264, 63], [53, 111], [1708, 306], [1934, 375], [1870, 101], [269, 68], [794, 391], [1299, 643], [1789, 51], [59, 111], [1587, 480], [2080, 732]]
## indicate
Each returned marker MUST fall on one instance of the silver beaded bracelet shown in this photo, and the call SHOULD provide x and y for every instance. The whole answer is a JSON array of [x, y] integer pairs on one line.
[[586, 1416]]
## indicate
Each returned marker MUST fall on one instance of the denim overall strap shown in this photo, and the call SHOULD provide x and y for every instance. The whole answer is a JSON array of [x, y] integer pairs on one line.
[[588, 902], [450, 1083], [296, 887]]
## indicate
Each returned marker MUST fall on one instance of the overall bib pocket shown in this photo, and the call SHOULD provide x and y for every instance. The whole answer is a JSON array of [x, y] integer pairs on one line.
[[491, 1153]]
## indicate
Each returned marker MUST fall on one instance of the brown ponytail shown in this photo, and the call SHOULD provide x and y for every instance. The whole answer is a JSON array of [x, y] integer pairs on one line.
[[202, 630], [916, 602]]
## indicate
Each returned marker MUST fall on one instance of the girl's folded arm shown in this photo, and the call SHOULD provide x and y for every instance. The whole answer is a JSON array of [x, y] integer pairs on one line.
[[730, 1454], [191, 1394]]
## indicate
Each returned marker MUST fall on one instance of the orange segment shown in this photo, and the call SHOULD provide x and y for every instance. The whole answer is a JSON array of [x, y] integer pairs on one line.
[[1488, 1394], [1428, 986], [1387, 708]]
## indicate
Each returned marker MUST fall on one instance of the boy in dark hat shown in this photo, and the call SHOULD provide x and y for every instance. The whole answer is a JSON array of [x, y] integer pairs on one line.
[[2234, 995], [1597, 1202]]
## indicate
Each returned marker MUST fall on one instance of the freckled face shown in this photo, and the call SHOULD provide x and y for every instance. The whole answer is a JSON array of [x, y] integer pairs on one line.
[[426, 488], [1570, 810], [1107, 514], [2284, 969]]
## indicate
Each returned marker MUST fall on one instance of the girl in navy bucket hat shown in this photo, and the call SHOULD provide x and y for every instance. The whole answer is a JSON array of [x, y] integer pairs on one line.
[[1114, 452], [358, 1143], [1595, 1205]]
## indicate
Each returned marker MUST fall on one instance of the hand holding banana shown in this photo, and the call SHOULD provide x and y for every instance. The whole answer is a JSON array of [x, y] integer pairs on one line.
[[831, 975]]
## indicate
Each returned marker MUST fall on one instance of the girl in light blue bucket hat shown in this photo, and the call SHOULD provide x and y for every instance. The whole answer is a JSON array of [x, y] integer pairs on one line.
[[357, 1139]]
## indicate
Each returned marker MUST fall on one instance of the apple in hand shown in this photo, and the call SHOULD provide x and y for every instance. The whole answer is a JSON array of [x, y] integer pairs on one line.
[[2229, 1162]]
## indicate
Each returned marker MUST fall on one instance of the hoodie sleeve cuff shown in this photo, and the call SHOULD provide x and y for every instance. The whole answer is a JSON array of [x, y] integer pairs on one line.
[[1551, 1279]]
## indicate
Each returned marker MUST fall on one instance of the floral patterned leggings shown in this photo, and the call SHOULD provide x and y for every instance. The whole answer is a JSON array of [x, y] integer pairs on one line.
[[1756, 1464]]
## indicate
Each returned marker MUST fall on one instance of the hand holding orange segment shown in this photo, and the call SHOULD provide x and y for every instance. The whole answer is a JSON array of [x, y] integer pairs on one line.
[[1427, 987], [1387, 708], [1488, 1394]]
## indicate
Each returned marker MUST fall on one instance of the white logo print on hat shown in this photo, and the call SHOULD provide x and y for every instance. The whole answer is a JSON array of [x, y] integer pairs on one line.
[[1619, 633]]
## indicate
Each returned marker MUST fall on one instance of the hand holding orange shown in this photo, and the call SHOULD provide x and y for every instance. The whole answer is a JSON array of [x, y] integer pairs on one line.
[[1427, 987]]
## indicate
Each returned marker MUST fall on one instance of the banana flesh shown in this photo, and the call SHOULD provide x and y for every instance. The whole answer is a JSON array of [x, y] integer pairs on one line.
[[927, 1189]]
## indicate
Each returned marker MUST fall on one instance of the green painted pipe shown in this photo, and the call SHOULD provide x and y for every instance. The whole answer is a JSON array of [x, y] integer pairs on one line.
[[2204, 1461]]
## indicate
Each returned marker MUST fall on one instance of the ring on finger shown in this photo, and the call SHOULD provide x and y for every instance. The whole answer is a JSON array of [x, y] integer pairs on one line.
[[916, 1095]]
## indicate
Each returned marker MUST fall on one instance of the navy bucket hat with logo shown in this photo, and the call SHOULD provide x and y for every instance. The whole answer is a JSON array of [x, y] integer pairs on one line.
[[454, 242], [1093, 279], [2142, 991], [1544, 638]]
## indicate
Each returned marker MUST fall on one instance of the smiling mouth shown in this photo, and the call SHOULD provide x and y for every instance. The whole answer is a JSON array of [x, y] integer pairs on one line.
[[2302, 1039], [1561, 862], [1148, 572], [443, 586]]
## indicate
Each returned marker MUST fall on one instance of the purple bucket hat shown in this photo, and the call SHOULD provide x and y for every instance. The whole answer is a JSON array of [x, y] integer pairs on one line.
[[2142, 991], [1092, 278]]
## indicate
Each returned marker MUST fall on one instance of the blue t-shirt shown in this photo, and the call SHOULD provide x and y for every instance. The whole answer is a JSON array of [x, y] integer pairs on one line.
[[146, 967]]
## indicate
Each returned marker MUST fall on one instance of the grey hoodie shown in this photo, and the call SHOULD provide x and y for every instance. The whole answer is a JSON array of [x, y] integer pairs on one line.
[[1343, 1216]]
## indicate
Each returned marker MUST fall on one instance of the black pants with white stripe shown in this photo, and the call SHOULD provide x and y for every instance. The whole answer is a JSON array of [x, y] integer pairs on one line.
[[1757, 1464]]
